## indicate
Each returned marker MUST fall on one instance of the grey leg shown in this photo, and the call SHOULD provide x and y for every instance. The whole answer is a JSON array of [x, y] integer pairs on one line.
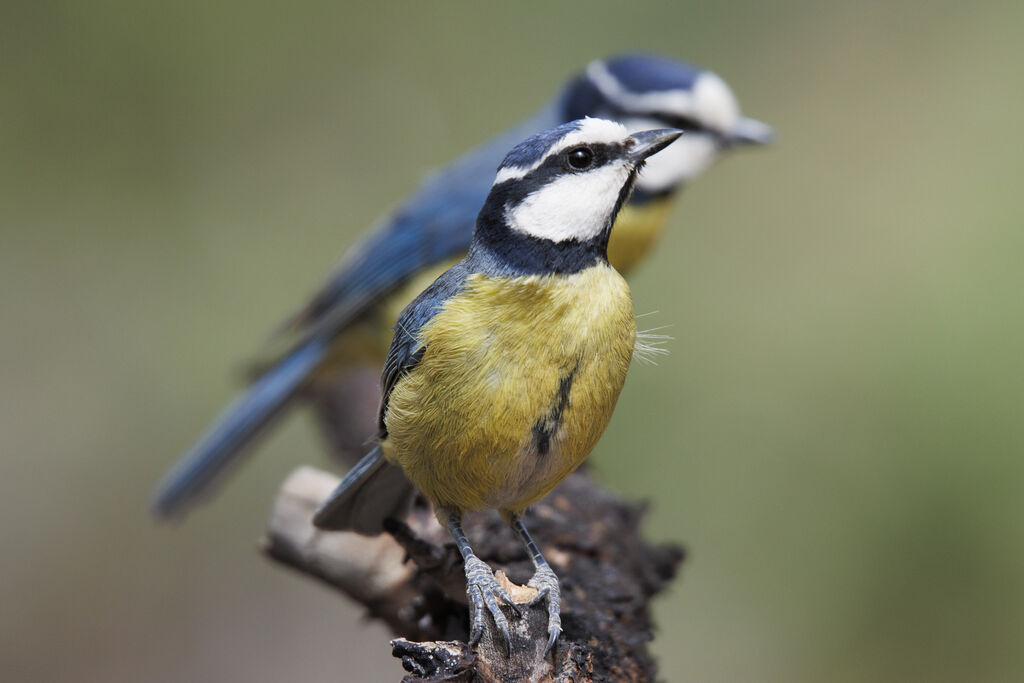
[[544, 580], [482, 589]]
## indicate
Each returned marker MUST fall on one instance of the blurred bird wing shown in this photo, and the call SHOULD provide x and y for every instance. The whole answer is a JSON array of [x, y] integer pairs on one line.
[[225, 441], [433, 226]]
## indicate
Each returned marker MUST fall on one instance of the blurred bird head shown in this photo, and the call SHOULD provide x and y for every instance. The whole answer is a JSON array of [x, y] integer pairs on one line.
[[644, 91], [556, 195]]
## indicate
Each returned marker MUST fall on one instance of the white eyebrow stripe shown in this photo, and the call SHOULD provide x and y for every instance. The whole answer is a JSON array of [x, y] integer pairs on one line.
[[516, 172], [596, 131], [591, 130]]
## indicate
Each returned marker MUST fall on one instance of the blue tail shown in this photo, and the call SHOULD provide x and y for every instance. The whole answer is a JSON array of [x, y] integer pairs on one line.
[[234, 429], [371, 492]]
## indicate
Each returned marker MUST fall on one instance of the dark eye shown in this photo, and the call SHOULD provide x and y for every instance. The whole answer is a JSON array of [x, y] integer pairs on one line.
[[580, 158]]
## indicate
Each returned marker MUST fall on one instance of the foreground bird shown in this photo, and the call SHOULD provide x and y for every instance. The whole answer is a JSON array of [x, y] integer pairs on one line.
[[503, 373], [348, 323]]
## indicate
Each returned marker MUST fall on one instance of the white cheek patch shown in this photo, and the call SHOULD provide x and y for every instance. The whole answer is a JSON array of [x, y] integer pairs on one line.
[[572, 207], [590, 131]]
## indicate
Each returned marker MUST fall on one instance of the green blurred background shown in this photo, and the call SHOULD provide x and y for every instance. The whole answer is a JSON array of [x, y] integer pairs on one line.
[[836, 435]]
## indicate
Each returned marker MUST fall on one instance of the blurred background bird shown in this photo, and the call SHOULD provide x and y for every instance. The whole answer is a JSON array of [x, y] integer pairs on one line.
[[503, 373], [347, 324]]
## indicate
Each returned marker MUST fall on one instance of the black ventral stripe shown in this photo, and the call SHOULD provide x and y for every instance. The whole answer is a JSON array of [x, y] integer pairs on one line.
[[546, 427]]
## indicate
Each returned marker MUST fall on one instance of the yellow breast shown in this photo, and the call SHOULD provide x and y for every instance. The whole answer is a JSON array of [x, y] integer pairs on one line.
[[516, 385], [636, 230]]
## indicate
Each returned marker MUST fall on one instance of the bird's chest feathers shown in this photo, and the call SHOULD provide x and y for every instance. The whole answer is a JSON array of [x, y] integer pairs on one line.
[[535, 363], [536, 331]]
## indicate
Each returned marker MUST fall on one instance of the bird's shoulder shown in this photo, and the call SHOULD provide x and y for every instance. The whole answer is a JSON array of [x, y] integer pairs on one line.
[[406, 346]]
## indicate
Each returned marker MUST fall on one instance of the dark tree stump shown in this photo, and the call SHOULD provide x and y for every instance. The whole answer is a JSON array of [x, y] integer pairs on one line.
[[413, 580]]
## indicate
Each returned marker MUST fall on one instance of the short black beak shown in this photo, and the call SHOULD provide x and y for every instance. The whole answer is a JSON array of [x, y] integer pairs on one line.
[[641, 145], [749, 131]]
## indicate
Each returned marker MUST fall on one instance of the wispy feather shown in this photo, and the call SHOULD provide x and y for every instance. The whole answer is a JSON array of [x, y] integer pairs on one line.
[[649, 343]]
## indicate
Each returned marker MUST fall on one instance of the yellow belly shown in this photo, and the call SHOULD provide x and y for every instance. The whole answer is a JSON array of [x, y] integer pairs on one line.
[[517, 383]]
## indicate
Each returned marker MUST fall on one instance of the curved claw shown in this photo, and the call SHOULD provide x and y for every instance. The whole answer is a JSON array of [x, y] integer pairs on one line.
[[476, 618], [554, 630], [483, 592], [542, 594], [546, 584]]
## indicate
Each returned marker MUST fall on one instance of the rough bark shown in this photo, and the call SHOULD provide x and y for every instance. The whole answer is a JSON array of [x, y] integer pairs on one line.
[[412, 579]]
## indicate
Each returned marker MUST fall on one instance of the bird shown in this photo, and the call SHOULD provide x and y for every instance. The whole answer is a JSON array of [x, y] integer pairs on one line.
[[347, 323], [503, 373]]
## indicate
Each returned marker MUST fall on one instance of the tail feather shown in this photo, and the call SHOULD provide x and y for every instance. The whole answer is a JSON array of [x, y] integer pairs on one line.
[[371, 492], [235, 428]]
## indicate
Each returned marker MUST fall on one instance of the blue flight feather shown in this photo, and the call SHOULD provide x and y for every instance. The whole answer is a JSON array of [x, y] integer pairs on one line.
[[234, 428], [434, 225]]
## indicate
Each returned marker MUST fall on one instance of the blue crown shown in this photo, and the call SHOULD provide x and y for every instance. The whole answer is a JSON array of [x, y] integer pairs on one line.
[[640, 73], [634, 73], [532, 150]]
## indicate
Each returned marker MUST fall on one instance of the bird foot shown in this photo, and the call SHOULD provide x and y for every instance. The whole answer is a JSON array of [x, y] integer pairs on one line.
[[546, 583], [483, 592]]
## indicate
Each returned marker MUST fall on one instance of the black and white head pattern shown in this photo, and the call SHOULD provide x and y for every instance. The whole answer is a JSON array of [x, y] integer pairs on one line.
[[644, 92], [555, 198], [564, 184]]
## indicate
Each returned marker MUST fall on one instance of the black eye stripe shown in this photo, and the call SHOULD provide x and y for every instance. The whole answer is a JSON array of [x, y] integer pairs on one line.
[[555, 165], [602, 152]]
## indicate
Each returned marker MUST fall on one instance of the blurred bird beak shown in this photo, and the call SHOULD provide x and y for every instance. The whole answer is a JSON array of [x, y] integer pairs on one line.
[[749, 131], [639, 146]]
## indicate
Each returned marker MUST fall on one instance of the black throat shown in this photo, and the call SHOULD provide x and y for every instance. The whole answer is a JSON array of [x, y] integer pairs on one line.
[[499, 250]]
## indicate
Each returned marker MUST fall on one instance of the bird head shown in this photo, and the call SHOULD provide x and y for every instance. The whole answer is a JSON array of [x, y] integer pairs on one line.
[[556, 194], [644, 91]]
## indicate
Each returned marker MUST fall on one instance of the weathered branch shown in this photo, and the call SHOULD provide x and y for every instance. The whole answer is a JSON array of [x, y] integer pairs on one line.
[[412, 579]]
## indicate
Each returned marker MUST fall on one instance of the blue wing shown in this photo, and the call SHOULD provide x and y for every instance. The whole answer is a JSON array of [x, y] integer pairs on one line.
[[433, 226], [234, 429]]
